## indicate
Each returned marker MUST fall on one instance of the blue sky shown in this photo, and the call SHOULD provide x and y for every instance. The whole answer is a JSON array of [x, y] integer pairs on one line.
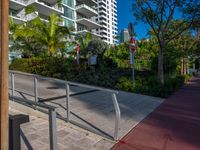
[[125, 16]]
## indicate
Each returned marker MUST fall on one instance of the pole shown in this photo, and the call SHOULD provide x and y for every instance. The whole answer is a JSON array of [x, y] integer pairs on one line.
[[4, 8], [132, 50], [133, 69]]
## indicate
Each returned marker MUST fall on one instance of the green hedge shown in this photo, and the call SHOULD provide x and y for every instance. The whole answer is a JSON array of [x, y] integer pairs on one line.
[[151, 86], [109, 77], [51, 67]]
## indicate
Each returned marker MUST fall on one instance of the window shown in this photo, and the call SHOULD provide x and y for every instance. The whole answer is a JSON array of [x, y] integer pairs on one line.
[[69, 3], [69, 13]]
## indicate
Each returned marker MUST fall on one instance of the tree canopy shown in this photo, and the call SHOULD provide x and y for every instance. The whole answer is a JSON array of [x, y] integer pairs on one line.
[[160, 16]]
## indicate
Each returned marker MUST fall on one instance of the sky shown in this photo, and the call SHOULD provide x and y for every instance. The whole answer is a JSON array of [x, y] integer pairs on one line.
[[125, 16]]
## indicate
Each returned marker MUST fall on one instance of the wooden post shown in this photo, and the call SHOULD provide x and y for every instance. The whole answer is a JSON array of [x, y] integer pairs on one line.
[[4, 8]]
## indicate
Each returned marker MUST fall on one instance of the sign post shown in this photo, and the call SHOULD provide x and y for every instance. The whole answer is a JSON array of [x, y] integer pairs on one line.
[[4, 74], [132, 50], [78, 54]]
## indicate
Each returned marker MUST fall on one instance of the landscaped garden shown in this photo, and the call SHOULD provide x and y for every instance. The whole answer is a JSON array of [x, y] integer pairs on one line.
[[47, 49]]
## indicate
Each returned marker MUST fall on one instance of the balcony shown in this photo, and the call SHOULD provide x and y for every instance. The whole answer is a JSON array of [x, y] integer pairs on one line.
[[88, 2], [51, 1], [17, 20], [86, 10], [90, 24], [46, 9], [95, 35], [17, 4]]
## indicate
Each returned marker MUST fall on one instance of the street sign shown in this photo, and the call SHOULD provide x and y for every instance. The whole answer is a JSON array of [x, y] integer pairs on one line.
[[132, 44], [78, 48]]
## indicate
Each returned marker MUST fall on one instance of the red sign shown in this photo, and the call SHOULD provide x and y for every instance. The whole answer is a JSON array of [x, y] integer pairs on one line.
[[132, 44], [78, 48]]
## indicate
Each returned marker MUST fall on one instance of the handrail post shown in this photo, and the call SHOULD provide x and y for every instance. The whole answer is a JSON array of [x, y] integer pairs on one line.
[[68, 102], [14, 130], [52, 129], [13, 84], [36, 90], [117, 116]]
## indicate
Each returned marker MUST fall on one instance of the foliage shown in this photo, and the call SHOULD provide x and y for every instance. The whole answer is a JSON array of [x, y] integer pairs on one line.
[[151, 86], [36, 36], [49, 66], [116, 78], [83, 41], [120, 55], [96, 47], [159, 15]]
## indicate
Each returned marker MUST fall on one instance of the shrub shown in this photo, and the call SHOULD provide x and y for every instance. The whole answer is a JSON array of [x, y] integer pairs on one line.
[[117, 78], [50, 66]]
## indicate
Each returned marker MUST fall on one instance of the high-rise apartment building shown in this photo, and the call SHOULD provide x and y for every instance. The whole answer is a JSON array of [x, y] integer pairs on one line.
[[107, 18], [98, 17], [124, 36], [43, 8]]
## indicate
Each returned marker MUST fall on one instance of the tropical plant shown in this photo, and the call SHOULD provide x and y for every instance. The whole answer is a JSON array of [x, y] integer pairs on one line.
[[83, 41], [49, 36]]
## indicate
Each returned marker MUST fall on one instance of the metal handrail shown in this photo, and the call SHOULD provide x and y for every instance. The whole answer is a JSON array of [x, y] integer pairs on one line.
[[68, 83], [52, 118], [63, 81], [42, 105]]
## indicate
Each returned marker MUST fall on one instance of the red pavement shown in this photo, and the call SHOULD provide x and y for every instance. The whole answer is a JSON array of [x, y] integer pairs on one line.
[[174, 125]]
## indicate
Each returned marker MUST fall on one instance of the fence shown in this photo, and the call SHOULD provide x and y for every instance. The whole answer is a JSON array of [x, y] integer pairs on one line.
[[67, 85]]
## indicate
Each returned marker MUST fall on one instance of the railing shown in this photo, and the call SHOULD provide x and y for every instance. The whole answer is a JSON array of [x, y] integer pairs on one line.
[[55, 7], [14, 130], [87, 7], [21, 1], [51, 113], [68, 84]]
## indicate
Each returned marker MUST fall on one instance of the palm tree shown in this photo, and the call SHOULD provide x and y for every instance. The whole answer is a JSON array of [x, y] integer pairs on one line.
[[83, 41], [51, 36]]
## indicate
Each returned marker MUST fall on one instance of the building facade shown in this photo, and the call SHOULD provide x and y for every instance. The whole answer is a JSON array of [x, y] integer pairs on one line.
[[98, 17], [107, 18], [124, 36]]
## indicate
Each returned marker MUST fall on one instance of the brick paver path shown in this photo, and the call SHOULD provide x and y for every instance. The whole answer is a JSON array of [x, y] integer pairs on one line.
[[175, 125], [36, 134]]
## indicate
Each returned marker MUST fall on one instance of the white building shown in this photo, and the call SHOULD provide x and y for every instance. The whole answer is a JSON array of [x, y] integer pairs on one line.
[[98, 17], [107, 18]]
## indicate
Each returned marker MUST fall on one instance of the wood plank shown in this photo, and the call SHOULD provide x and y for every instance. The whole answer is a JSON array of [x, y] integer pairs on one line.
[[4, 74]]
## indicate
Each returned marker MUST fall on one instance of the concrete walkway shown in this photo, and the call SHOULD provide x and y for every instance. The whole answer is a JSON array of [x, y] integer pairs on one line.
[[175, 125], [92, 109], [35, 134]]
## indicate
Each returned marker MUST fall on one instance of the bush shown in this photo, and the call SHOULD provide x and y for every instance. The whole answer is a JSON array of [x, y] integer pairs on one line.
[[51, 67], [151, 86], [117, 78]]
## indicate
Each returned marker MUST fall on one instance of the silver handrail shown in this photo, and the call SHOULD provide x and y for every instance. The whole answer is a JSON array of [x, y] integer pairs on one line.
[[68, 84], [52, 118]]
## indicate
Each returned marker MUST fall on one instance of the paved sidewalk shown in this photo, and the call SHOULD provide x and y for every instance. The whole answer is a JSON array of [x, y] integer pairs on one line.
[[92, 109], [35, 134], [175, 125]]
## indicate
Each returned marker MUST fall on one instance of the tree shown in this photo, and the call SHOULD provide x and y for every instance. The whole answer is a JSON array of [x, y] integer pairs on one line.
[[49, 36], [96, 47], [83, 41], [159, 15]]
